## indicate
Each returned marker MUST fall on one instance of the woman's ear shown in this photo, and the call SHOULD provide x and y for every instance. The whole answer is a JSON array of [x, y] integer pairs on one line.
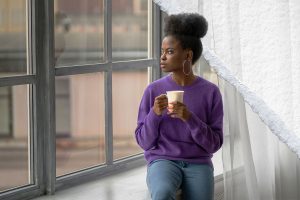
[[189, 55]]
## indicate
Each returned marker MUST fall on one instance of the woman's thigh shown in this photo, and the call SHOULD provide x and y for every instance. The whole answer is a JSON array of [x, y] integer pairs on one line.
[[163, 179], [198, 182]]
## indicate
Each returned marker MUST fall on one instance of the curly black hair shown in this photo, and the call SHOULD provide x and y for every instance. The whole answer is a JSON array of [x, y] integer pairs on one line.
[[188, 28]]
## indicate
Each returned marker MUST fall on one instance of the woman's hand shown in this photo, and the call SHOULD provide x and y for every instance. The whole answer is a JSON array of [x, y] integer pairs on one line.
[[160, 104], [179, 110]]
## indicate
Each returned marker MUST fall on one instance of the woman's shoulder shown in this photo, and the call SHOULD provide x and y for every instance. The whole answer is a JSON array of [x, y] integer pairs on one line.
[[155, 88], [203, 82], [157, 84], [161, 80]]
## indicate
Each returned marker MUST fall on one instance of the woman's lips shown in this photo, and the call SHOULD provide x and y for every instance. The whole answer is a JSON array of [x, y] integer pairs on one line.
[[162, 65]]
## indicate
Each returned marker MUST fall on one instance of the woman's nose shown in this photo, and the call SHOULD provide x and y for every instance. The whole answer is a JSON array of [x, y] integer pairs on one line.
[[163, 56]]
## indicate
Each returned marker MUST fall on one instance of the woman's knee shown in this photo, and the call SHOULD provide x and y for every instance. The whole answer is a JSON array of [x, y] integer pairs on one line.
[[163, 179], [163, 192]]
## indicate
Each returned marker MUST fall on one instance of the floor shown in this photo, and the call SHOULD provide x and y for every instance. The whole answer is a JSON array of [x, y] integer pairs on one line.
[[129, 185]]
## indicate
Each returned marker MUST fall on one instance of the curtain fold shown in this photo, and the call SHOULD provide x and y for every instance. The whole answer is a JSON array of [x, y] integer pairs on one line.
[[237, 147]]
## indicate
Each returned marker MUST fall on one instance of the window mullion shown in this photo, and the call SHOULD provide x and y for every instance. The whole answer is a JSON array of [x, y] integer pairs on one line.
[[108, 82], [44, 93]]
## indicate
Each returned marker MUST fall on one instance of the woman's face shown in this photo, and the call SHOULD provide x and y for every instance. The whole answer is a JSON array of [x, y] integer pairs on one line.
[[172, 55]]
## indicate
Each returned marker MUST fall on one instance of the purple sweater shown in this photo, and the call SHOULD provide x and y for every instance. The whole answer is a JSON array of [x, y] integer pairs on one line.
[[194, 141]]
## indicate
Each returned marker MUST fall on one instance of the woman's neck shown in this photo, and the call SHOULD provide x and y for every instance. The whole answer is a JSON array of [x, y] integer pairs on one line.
[[182, 79]]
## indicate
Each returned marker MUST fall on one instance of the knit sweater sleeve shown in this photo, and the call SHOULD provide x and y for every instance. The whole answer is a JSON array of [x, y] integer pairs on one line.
[[146, 132], [209, 135]]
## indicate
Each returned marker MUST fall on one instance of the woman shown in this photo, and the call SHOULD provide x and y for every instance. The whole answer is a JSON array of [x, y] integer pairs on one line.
[[179, 139]]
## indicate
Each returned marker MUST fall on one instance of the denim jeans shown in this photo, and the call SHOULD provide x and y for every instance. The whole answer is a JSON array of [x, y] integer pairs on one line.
[[165, 177]]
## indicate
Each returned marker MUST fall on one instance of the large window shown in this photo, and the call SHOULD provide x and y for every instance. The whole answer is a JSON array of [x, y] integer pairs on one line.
[[72, 73]]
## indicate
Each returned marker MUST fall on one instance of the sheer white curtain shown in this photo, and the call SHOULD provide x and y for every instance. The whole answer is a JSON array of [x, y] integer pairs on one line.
[[260, 155], [260, 44]]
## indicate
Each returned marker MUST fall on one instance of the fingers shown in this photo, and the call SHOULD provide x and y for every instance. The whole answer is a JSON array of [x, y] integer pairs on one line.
[[161, 101], [175, 107], [177, 110], [160, 104], [161, 98]]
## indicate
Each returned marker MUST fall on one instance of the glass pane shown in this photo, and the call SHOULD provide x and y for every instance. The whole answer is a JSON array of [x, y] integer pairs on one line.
[[128, 88], [80, 132], [78, 32], [14, 135], [129, 29], [13, 59]]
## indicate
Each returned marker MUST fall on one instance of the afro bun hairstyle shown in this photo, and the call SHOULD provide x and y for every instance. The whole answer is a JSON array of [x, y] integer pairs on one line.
[[188, 28], [186, 24]]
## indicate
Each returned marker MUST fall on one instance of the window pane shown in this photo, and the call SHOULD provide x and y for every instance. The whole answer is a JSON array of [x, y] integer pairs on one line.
[[78, 32], [13, 37], [128, 88], [129, 29], [80, 132], [14, 135]]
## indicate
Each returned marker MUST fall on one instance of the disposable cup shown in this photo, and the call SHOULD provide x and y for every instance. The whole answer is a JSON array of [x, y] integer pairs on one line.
[[175, 95]]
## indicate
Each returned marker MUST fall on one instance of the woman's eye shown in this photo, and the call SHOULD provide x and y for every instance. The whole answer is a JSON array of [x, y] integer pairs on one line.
[[167, 52]]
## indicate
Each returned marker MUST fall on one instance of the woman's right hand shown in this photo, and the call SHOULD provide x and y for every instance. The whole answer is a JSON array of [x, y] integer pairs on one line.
[[160, 104]]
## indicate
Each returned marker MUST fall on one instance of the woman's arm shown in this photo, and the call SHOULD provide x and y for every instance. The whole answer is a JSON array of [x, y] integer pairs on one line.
[[209, 135], [149, 117]]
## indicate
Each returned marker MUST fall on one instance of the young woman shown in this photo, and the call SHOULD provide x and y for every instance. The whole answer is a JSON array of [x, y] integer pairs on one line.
[[179, 139]]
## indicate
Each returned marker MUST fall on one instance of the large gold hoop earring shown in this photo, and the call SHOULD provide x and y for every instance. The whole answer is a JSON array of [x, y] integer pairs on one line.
[[190, 68]]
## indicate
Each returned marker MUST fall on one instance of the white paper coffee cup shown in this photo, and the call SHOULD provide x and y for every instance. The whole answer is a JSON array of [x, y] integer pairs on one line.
[[175, 95]]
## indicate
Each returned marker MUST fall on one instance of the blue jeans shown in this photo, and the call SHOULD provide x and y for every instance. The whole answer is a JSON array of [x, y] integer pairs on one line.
[[165, 177]]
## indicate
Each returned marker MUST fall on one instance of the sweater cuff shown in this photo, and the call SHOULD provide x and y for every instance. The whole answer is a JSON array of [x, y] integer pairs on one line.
[[154, 118]]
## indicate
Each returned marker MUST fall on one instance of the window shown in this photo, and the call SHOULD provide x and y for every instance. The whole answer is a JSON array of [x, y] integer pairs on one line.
[[128, 88], [13, 46], [15, 144], [129, 30], [79, 32], [16, 153], [80, 132], [64, 88]]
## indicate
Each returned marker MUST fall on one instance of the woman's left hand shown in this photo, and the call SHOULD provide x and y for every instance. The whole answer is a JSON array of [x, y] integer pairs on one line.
[[178, 110]]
